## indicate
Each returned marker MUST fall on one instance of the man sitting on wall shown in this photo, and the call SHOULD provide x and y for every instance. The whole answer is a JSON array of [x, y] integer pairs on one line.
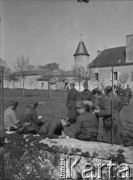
[[29, 122], [87, 123], [54, 129], [10, 119]]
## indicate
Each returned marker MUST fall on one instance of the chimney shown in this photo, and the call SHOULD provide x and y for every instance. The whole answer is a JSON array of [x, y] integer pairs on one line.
[[129, 48], [98, 52]]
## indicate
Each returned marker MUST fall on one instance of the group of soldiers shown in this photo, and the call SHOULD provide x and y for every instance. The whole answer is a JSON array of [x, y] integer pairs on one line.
[[124, 94], [103, 107], [86, 109], [30, 123]]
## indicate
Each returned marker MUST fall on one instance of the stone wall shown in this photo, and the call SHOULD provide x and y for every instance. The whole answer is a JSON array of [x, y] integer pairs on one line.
[[30, 157]]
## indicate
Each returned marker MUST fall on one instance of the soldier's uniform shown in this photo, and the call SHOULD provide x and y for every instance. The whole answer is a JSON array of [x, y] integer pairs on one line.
[[105, 113], [51, 129], [86, 127], [29, 122], [85, 95], [120, 93], [72, 97], [128, 94]]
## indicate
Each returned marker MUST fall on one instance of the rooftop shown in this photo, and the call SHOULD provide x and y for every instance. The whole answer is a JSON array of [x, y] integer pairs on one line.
[[115, 56], [81, 49]]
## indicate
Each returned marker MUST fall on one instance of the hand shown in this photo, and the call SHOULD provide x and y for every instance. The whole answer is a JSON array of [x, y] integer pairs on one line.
[[26, 123], [42, 103], [96, 111], [40, 117], [15, 126], [62, 137]]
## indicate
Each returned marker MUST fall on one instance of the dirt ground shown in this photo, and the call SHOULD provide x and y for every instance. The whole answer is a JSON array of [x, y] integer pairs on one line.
[[55, 107]]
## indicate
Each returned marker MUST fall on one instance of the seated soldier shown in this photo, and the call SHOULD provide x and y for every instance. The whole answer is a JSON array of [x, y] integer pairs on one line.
[[87, 124], [29, 122], [10, 119], [54, 129], [89, 106]]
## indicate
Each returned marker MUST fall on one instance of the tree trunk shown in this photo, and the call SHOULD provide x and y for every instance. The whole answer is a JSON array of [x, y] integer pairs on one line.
[[8, 84], [20, 83], [13, 84], [79, 85], [48, 91]]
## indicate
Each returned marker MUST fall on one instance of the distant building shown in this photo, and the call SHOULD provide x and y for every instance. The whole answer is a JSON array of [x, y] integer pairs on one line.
[[81, 56], [122, 60], [120, 57]]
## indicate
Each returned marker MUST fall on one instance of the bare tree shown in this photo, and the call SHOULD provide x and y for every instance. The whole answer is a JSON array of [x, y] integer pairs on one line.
[[3, 63], [123, 78], [50, 66], [62, 78], [101, 84], [83, 75], [48, 70], [22, 65], [6, 70], [12, 78]]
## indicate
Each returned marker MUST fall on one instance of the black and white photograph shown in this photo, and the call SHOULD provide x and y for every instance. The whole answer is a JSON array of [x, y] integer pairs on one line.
[[66, 89]]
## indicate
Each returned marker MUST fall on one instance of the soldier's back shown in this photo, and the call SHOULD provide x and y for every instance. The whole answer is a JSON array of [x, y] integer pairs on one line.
[[85, 95]]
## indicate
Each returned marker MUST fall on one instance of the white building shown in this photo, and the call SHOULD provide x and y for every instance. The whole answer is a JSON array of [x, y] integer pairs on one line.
[[122, 60]]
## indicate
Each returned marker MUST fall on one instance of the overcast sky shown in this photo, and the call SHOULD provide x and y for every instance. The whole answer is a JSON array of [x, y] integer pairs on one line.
[[49, 30]]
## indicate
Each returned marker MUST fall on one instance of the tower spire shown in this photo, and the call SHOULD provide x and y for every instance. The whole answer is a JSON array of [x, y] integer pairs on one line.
[[81, 36]]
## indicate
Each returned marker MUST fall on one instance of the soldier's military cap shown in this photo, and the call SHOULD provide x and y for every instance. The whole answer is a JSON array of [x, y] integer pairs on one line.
[[108, 89]]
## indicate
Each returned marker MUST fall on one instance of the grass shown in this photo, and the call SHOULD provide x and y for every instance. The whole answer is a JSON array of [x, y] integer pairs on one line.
[[55, 105]]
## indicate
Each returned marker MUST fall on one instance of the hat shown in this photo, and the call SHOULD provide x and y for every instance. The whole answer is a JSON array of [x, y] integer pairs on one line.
[[108, 89], [80, 105], [96, 90], [89, 103]]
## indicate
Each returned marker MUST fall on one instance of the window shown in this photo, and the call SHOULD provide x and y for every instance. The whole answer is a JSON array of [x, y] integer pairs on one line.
[[96, 76], [115, 76]]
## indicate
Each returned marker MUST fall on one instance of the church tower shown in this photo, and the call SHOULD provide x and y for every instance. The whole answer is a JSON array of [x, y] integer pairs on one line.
[[81, 56]]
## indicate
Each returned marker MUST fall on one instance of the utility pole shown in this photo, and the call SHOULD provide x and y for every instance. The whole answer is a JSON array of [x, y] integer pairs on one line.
[[2, 135], [2, 139], [112, 105]]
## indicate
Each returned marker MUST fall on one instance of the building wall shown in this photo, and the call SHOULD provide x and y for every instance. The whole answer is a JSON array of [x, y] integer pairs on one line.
[[29, 83], [105, 75]]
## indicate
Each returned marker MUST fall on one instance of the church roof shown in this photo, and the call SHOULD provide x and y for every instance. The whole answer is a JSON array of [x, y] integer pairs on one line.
[[116, 55], [81, 49]]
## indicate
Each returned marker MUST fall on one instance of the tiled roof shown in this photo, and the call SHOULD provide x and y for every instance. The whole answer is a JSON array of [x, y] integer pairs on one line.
[[115, 56], [81, 49], [47, 74]]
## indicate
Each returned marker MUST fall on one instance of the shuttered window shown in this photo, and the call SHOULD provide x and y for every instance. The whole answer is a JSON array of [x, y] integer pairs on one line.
[[115, 76], [96, 76]]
